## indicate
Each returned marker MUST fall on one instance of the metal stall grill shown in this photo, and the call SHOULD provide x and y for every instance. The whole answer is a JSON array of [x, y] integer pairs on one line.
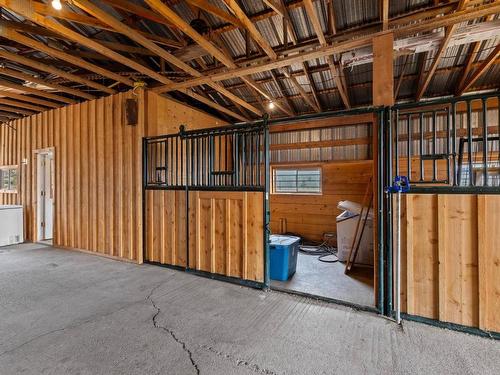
[[441, 234], [206, 207]]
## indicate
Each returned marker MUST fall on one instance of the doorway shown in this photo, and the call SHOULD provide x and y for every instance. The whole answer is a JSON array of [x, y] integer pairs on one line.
[[45, 195], [322, 197]]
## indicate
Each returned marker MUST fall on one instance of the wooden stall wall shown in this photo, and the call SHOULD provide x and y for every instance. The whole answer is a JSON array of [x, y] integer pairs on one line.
[[224, 231], [98, 205], [98, 202], [312, 215], [451, 258]]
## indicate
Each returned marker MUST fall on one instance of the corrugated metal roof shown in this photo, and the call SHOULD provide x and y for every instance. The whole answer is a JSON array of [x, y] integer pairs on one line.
[[348, 14]]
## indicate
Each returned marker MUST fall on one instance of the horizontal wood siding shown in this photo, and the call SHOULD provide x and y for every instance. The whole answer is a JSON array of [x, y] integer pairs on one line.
[[312, 215], [451, 258], [226, 231]]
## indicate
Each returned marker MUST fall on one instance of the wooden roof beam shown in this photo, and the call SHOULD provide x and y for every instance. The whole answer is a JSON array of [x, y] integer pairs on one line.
[[29, 99], [339, 47], [67, 15], [10, 115], [335, 69], [474, 51], [217, 53], [19, 38], [483, 67], [36, 92], [18, 104], [19, 111], [266, 47], [219, 13], [439, 54], [45, 82], [116, 24], [49, 69]]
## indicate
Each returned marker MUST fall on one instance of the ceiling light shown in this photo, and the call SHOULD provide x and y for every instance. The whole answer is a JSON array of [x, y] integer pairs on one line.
[[271, 105], [56, 4]]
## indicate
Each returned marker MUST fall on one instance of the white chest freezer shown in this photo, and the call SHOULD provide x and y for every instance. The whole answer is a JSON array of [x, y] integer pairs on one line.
[[11, 225]]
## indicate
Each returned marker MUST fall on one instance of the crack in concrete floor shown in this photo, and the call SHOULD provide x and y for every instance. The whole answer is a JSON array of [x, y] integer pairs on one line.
[[170, 331]]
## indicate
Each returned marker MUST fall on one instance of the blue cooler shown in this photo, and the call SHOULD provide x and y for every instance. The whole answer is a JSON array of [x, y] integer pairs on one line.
[[284, 250]]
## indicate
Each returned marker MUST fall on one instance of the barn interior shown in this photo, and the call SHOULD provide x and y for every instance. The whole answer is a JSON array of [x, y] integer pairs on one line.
[[346, 151]]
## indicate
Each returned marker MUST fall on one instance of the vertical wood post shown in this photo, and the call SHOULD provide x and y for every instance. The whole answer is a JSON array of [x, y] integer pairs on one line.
[[383, 75]]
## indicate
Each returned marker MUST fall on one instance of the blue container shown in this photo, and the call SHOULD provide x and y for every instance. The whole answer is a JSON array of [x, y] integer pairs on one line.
[[284, 250]]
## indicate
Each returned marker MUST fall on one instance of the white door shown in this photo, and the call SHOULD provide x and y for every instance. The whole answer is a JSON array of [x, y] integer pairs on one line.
[[45, 195]]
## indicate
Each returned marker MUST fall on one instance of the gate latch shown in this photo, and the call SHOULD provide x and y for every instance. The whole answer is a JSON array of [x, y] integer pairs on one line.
[[401, 184]]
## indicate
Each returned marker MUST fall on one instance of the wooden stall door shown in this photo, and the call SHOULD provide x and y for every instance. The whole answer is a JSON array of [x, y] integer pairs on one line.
[[451, 258], [226, 231]]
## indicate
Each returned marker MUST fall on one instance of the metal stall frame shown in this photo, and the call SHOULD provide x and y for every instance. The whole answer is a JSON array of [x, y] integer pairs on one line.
[[382, 283], [261, 125], [388, 147]]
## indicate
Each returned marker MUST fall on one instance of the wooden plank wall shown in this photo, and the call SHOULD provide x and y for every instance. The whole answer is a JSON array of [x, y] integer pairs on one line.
[[166, 115], [451, 258], [98, 204], [225, 231], [312, 215]]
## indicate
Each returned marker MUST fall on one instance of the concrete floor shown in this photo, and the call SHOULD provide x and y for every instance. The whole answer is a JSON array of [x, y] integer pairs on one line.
[[329, 280], [64, 312]]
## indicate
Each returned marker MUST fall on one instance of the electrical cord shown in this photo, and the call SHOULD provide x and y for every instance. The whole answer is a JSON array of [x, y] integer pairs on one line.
[[321, 250]]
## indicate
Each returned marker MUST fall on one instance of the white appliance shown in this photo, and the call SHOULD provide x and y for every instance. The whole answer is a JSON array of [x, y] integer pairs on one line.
[[11, 225], [346, 226]]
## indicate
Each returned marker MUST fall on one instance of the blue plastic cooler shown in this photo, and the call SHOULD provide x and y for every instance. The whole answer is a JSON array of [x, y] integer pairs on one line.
[[284, 250]]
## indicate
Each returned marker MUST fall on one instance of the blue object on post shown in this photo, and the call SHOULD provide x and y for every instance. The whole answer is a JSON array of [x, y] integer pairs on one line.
[[284, 251], [401, 184]]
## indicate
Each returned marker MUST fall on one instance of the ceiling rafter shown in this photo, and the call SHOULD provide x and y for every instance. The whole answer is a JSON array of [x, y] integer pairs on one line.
[[11, 34], [20, 111], [474, 51], [67, 15], [103, 16], [215, 51], [335, 69], [22, 7], [439, 54], [339, 47], [481, 69], [50, 69], [36, 92], [266, 47], [29, 99], [16, 103]]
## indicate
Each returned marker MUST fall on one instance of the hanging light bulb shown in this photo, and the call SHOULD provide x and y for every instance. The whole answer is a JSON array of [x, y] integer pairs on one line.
[[56, 4], [271, 105]]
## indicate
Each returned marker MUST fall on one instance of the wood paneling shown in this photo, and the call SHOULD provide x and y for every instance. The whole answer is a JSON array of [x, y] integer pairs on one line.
[[226, 231], [84, 138], [450, 258], [166, 115], [98, 159], [312, 215]]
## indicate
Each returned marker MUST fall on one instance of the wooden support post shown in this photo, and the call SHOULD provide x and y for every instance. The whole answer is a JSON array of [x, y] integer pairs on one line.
[[383, 76]]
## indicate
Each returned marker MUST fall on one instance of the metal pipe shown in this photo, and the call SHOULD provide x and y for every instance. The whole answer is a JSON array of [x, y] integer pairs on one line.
[[485, 143], [421, 128], [469, 144], [408, 146], [396, 143], [434, 140], [454, 141], [398, 260], [380, 212], [448, 145]]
